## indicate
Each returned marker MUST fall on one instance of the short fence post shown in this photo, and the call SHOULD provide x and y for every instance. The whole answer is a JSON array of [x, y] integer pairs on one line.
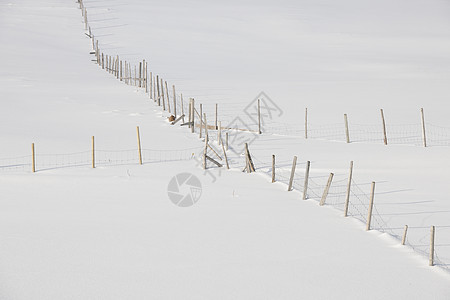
[[168, 97], [215, 124], [162, 95], [206, 125], [291, 180], [306, 123], [384, 127], [424, 136], [201, 121], [139, 145], [433, 231], [205, 152], [182, 107], [157, 90], [273, 168], [93, 153], [305, 185], [369, 214], [327, 189], [33, 158], [347, 135], [349, 186], [404, 235]]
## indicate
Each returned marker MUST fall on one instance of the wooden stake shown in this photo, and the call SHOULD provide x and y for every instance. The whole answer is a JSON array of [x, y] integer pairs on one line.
[[424, 136], [182, 107], [259, 116], [168, 98], [369, 214], [174, 102], [347, 135], [214, 161], [121, 74], [226, 140], [192, 115], [384, 127], [151, 86], [404, 235], [201, 121], [93, 153], [206, 124], [433, 231], [273, 168], [205, 152], [33, 158], [327, 189], [305, 186], [219, 135], [306, 123], [224, 154], [157, 86], [162, 95], [139, 145], [250, 161], [291, 180], [349, 186], [140, 74], [215, 123]]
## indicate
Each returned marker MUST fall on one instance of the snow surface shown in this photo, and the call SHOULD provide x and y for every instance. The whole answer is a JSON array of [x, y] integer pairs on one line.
[[112, 232]]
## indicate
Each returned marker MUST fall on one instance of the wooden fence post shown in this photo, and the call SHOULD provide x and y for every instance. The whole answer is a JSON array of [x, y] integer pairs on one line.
[[384, 127], [424, 135], [192, 115], [33, 158], [157, 88], [259, 116], [327, 189], [190, 112], [273, 168], [347, 135], [93, 153], [251, 166], [305, 186], [182, 107], [201, 120], [205, 152], [291, 179], [369, 214], [226, 140], [224, 153], [404, 235], [168, 98], [306, 123], [174, 102], [139, 145], [219, 133], [433, 231], [162, 95], [349, 186], [215, 123], [151, 86], [206, 124]]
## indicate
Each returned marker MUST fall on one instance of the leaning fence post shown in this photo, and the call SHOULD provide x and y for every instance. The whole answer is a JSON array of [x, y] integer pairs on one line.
[[291, 180], [33, 158], [369, 214], [273, 168], [384, 127], [347, 135], [404, 235], [327, 189], [305, 186], [349, 186], [139, 145], [433, 231], [424, 136], [93, 153]]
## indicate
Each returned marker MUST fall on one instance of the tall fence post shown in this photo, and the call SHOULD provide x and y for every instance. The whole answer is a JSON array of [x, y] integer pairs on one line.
[[215, 123], [433, 231], [273, 168], [369, 214], [349, 186], [139, 145], [259, 116], [347, 134], [219, 134], [168, 97], [291, 180], [424, 135], [306, 123], [93, 153], [305, 185], [192, 101], [201, 120], [327, 189], [174, 102], [33, 158], [384, 127]]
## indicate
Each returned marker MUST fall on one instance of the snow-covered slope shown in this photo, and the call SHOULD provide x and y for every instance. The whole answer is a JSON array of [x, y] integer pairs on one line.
[[112, 232]]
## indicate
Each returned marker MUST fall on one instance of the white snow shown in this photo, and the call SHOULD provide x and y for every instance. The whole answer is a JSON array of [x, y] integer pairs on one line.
[[112, 232]]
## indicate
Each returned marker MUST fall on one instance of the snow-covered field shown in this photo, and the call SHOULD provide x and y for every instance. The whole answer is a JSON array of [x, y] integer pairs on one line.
[[70, 231]]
